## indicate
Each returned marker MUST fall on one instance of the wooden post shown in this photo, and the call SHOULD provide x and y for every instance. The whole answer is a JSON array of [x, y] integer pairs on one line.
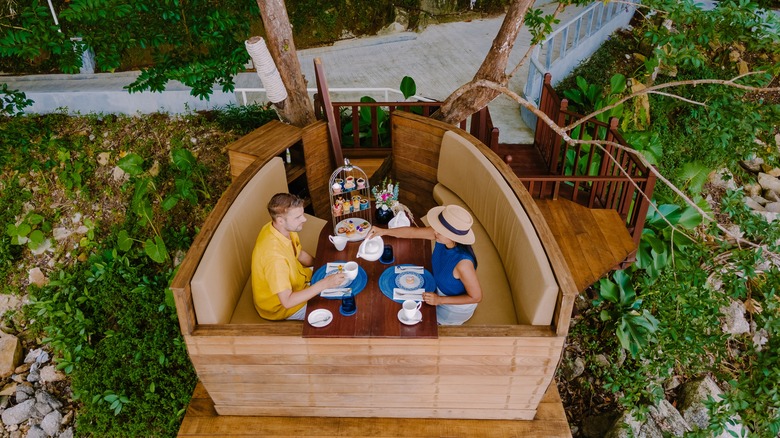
[[333, 124], [297, 109]]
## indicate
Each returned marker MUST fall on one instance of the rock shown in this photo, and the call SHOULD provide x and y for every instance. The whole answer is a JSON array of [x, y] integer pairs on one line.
[[743, 67], [32, 355], [119, 175], [669, 419], [23, 368], [82, 229], [574, 369], [597, 426], [773, 207], [771, 196], [722, 179], [102, 157], [769, 182], [601, 360], [760, 338], [35, 276], [50, 373], [51, 423], [753, 205], [61, 233], [19, 413], [768, 216], [5, 400], [10, 354], [67, 433], [775, 172], [9, 389], [752, 190], [672, 383], [36, 432], [42, 396], [24, 392], [34, 375], [752, 165], [761, 201], [734, 322], [692, 398]]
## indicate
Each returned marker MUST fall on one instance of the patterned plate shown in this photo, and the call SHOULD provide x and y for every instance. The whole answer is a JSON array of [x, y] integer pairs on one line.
[[409, 281]]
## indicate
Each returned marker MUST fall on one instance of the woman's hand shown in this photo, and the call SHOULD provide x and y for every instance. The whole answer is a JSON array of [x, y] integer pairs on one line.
[[376, 231], [431, 298]]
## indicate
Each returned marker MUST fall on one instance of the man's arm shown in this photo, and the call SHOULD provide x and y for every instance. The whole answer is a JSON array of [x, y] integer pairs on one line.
[[305, 258], [290, 299]]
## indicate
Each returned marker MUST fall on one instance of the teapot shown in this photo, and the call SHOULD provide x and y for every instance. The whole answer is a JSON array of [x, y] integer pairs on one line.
[[371, 249]]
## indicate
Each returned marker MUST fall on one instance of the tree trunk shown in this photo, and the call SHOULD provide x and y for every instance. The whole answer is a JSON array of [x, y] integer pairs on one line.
[[298, 109], [469, 98]]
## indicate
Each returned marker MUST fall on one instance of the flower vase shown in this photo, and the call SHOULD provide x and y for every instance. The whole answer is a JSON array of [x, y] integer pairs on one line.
[[383, 215]]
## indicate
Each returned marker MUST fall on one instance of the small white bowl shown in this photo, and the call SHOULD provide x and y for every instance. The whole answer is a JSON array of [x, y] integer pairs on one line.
[[371, 249]]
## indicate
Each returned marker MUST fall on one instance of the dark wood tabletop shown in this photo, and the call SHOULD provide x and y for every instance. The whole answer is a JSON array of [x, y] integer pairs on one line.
[[377, 315]]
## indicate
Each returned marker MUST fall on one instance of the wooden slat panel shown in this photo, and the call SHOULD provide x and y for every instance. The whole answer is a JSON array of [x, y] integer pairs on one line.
[[337, 379], [550, 421], [318, 156], [462, 413], [464, 370], [373, 360]]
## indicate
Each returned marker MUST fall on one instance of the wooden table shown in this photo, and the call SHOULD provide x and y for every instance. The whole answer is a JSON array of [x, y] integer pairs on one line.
[[377, 315]]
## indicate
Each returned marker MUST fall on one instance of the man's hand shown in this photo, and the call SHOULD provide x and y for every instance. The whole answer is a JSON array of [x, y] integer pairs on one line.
[[333, 281]]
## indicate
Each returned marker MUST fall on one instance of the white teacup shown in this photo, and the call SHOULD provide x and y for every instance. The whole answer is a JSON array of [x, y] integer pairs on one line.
[[340, 242], [351, 270], [410, 308]]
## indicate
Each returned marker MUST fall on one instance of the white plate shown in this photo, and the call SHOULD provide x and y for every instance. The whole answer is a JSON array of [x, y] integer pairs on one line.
[[317, 318], [360, 231], [417, 318]]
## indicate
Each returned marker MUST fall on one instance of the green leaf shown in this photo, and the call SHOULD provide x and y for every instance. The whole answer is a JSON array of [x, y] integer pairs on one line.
[[33, 219], [123, 240], [37, 237], [609, 290], [689, 219], [183, 159], [170, 202], [408, 87], [156, 249], [131, 163], [695, 176], [617, 84]]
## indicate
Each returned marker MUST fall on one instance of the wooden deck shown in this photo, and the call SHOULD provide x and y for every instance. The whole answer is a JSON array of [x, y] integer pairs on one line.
[[593, 241], [201, 420]]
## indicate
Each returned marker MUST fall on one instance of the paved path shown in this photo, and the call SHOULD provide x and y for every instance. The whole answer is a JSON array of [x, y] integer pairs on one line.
[[440, 59]]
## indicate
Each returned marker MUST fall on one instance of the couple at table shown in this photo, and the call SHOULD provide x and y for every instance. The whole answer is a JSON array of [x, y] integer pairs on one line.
[[281, 269]]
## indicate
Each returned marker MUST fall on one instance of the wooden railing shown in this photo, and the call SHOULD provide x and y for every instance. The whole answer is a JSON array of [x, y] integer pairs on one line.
[[365, 126], [598, 177]]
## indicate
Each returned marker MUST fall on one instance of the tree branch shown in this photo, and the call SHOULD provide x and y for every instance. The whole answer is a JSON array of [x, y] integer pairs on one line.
[[694, 82], [674, 96]]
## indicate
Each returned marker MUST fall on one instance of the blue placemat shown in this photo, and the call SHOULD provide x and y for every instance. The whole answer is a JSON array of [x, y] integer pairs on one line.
[[357, 285], [387, 282]]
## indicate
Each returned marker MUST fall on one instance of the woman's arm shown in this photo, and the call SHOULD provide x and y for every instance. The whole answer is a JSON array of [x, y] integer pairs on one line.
[[465, 271], [404, 232]]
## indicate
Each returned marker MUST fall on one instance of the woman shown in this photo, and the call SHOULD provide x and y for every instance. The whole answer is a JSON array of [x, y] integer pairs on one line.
[[454, 263]]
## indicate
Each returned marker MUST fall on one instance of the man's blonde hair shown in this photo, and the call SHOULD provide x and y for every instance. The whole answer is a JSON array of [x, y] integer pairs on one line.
[[280, 203]]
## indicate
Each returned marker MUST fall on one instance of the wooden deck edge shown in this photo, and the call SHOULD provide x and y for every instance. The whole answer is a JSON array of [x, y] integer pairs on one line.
[[202, 420]]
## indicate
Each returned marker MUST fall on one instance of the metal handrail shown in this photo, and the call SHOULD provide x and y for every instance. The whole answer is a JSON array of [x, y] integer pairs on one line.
[[385, 90]]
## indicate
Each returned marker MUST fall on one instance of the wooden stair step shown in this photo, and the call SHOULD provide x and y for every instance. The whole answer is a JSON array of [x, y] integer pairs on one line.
[[593, 241]]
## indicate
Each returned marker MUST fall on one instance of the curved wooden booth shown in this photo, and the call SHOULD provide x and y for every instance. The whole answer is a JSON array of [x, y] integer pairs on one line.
[[498, 366]]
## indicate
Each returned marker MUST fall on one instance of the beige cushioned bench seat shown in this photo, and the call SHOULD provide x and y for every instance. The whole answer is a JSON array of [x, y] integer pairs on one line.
[[222, 279], [468, 176]]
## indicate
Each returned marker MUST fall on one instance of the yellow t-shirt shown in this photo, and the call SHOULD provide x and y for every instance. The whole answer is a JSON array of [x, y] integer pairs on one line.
[[275, 267]]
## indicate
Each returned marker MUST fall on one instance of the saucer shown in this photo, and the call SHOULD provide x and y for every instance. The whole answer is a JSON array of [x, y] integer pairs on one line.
[[320, 317], [408, 322]]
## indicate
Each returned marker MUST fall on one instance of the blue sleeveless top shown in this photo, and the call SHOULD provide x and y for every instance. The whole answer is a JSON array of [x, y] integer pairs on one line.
[[443, 263]]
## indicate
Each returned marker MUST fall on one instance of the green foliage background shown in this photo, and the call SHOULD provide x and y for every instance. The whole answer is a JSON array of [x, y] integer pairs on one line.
[[107, 312]]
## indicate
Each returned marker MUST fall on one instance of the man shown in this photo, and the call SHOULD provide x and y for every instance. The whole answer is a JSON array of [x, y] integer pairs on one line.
[[280, 267]]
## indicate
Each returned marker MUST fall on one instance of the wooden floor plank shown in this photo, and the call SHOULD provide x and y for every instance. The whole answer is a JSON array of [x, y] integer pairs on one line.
[[203, 422]]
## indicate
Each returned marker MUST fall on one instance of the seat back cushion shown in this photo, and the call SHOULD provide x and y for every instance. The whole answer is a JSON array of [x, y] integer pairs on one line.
[[472, 177], [226, 264], [497, 306]]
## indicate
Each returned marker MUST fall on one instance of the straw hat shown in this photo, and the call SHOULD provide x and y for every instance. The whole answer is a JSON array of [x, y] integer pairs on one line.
[[452, 222]]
